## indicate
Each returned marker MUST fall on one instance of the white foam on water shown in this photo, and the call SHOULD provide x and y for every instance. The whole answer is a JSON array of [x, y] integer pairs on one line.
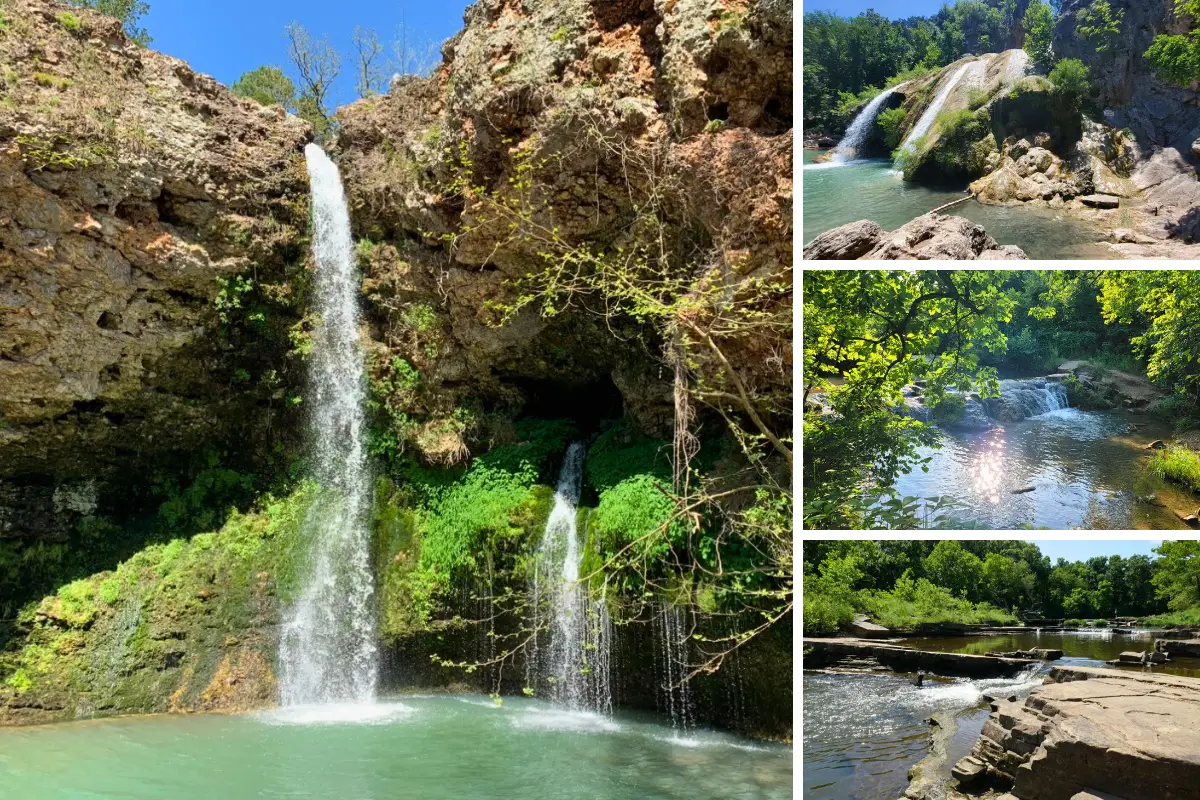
[[562, 719], [338, 714]]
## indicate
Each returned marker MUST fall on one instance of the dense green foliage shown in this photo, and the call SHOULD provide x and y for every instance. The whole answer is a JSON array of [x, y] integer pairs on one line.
[[869, 333], [267, 85], [1039, 34], [1071, 87], [877, 331], [905, 583], [1176, 57], [1099, 25], [1178, 464]]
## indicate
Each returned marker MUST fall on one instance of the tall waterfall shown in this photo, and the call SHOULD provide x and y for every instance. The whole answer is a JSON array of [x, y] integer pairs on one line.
[[576, 664], [857, 133], [328, 652], [926, 121]]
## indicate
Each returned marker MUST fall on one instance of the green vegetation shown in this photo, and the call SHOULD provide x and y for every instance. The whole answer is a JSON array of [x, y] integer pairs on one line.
[[1071, 85], [1039, 33], [1098, 25], [891, 120], [849, 55], [129, 12], [1176, 57], [1179, 464], [871, 333], [268, 86], [155, 630], [71, 23], [902, 584]]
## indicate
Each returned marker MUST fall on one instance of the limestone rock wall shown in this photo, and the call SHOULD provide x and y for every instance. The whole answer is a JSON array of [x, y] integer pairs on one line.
[[579, 112], [130, 188], [1127, 733]]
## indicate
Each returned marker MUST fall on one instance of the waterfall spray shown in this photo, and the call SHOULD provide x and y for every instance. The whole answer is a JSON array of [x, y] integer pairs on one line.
[[857, 133], [576, 662], [327, 652]]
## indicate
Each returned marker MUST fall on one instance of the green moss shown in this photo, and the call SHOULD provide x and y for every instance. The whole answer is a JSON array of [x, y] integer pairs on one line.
[[622, 452], [153, 632], [50, 81]]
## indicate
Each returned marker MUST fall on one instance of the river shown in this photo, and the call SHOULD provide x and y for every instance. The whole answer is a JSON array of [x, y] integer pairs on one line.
[[433, 747], [869, 189], [1085, 466], [863, 731]]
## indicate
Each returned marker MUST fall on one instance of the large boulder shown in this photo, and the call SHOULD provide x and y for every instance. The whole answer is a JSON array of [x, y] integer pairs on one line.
[[927, 237]]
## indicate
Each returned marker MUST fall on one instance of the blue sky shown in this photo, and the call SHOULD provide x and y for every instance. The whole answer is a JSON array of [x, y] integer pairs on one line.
[[225, 38], [892, 9], [1083, 549]]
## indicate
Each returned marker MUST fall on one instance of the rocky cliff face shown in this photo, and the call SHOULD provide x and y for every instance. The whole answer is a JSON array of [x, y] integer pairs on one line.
[[145, 213], [580, 120], [1160, 115]]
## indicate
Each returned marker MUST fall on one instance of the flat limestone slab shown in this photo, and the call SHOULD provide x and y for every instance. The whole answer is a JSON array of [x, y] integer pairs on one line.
[[1091, 732]]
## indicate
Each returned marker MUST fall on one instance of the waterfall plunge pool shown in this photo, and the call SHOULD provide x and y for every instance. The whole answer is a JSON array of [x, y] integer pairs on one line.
[[836, 194], [433, 747], [1086, 468]]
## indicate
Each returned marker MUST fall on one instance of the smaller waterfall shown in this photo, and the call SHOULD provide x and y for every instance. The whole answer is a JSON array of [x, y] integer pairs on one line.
[[674, 689], [926, 121], [576, 663], [859, 129]]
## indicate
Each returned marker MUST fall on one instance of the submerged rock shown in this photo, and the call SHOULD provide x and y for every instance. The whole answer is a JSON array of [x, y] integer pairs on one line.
[[926, 237]]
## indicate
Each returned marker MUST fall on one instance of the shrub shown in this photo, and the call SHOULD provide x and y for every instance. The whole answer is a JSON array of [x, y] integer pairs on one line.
[[1176, 58], [1179, 464], [891, 121], [1071, 86], [1099, 25], [915, 602], [71, 23]]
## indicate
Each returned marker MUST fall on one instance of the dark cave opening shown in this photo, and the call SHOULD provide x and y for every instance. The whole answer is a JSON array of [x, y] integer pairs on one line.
[[587, 403]]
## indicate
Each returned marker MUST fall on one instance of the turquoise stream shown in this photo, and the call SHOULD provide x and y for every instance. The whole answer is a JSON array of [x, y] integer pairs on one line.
[[431, 747], [835, 195]]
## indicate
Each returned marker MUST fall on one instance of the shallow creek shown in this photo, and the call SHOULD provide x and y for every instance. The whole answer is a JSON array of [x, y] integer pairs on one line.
[[863, 731], [1085, 467]]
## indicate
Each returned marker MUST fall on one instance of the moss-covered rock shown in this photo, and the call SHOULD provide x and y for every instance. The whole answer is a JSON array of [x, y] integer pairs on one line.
[[190, 625]]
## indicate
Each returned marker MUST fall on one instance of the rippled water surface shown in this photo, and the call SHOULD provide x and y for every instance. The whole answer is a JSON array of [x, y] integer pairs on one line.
[[1084, 649], [1086, 469], [837, 194], [862, 732], [421, 747]]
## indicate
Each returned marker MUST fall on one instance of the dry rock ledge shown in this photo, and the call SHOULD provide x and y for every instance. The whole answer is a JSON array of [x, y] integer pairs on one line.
[[926, 237], [1089, 733]]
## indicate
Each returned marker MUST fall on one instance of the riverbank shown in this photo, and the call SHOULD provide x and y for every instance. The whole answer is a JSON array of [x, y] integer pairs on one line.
[[1090, 730]]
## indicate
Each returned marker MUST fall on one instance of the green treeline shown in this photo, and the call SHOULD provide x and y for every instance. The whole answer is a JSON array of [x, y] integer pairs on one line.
[[847, 60], [904, 583], [867, 334]]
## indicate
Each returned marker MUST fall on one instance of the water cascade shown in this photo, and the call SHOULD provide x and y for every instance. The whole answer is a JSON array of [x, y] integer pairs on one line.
[[926, 121], [327, 650], [577, 662], [857, 133], [676, 695], [1020, 399]]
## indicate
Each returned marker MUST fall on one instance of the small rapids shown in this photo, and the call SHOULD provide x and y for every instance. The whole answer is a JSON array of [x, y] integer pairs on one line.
[[862, 732]]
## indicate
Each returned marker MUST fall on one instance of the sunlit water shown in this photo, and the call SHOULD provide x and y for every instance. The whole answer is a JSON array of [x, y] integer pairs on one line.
[[427, 747], [1083, 649], [862, 732], [835, 194], [1086, 469]]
